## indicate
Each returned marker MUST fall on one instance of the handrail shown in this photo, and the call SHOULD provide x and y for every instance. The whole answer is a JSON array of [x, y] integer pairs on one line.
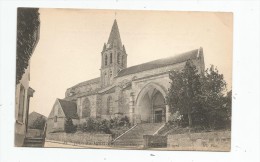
[[124, 133]]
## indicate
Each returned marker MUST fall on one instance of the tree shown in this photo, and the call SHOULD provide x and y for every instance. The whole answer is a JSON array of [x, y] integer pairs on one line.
[[200, 99], [214, 100], [184, 90], [38, 123], [69, 126], [28, 24]]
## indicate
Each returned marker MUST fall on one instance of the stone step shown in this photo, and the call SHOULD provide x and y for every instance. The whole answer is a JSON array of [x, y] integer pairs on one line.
[[135, 136], [33, 142]]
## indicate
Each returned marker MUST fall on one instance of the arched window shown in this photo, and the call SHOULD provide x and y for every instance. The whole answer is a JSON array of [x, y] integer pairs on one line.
[[106, 60], [123, 59], [111, 58], [86, 108], [110, 105], [118, 58], [105, 78]]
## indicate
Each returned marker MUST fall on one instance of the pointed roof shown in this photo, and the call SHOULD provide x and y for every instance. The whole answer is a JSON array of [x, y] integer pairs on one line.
[[69, 108], [114, 36]]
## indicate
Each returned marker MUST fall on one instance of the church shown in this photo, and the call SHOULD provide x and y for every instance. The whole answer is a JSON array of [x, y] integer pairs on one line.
[[137, 92]]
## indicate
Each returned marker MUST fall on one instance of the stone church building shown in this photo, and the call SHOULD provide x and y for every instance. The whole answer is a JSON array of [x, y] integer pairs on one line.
[[137, 92]]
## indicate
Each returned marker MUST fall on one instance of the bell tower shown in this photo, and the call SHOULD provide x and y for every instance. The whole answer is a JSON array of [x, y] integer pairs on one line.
[[114, 57]]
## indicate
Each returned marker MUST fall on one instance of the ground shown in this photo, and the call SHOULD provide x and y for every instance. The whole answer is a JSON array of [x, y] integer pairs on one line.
[[57, 144]]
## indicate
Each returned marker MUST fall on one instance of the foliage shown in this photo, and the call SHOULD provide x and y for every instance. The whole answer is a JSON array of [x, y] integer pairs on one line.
[[103, 125], [119, 122], [28, 24], [214, 100], [184, 91], [200, 99], [69, 126], [38, 123], [175, 118]]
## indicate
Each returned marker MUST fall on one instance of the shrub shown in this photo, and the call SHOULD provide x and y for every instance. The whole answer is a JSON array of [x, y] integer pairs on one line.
[[69, 126], [38, 123], [103, 125]]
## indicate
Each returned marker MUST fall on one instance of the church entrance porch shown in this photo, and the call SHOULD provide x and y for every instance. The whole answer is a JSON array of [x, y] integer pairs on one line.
[[150, 105]]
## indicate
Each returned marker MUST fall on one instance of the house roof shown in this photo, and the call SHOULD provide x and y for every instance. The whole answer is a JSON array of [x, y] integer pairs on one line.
[[33, 116], [69, 108], [159, 63]]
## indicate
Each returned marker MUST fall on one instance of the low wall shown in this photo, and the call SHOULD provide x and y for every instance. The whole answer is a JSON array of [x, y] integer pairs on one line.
[[211, 141], [155, 141], [81, 138]]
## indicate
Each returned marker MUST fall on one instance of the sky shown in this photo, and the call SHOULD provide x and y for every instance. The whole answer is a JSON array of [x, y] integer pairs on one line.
[[71, 41]]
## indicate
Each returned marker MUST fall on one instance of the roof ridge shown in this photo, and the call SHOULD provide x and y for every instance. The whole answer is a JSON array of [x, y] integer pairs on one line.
[[159, 62], [177, 55]]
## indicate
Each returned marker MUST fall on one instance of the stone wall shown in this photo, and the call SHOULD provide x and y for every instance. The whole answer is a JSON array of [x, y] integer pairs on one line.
[[211, 141], [81, 138], [155, 141], [58, 126]]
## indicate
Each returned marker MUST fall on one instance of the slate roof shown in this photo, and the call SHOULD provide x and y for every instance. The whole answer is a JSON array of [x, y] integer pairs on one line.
[[91, 81], [159, 63], [114, 36], [69, 108]]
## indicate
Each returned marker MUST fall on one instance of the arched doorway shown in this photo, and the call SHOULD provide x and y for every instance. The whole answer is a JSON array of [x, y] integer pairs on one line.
[[150, 104], [159, 108]]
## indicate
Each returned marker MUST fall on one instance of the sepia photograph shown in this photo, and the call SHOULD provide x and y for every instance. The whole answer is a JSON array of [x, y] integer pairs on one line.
[[123, 79]]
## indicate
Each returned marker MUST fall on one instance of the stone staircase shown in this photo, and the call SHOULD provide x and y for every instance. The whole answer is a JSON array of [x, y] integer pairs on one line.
[[134, 137], [34, 142]]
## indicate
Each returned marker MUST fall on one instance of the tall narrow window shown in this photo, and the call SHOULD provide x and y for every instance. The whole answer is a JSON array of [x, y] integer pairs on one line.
[[21, 103], [106, 60], [122, 61], [105, 78], [111, 58], [86, 108], [55, 119], [110, 105], [118, 58]]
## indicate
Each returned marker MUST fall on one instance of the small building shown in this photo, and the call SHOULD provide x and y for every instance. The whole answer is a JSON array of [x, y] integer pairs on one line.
[[61, 111], [33, 117]]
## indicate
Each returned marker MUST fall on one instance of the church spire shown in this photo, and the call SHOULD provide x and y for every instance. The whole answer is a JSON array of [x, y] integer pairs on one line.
[[114, 57], [114, 37]]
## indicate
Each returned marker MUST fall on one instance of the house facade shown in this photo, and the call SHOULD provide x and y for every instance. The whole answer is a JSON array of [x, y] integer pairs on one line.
[[137, 92], [22, 102]]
